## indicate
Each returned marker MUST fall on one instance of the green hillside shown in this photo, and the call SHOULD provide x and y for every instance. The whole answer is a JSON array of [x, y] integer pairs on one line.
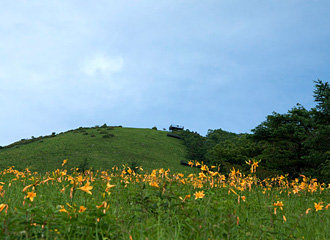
[[100, 147]]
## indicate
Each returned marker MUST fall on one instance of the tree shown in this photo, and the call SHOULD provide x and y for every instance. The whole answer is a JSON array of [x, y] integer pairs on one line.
[[298, 141]]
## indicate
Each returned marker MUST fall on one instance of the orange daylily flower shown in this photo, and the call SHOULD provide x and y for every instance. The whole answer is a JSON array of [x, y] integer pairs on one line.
[[199, 194], [109, 186], [279, 204], [28, 186], [318, 206], [63, 210], [31, 196], [185, 198], [2, 206], [86, 188], [82, 209], [284, 218], [104, 204], [64, 162], [154, 184]]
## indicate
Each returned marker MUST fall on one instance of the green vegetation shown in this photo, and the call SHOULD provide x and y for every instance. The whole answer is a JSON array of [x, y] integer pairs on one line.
[[123, 204], [296, 142], [99, 148], [225, 200]]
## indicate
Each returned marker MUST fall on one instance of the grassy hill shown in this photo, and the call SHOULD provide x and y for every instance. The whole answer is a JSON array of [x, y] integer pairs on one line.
[[100, 147]]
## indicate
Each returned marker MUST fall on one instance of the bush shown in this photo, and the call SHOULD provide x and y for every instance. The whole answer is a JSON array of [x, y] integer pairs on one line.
[[109, 135], [84, 166], [154, 128], [134, 165]]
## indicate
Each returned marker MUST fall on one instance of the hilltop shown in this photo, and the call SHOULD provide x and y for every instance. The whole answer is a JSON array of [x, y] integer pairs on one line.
[[97, 147]]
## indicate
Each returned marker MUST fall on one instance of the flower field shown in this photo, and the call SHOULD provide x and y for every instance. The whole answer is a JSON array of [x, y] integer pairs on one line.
[[125, 203]]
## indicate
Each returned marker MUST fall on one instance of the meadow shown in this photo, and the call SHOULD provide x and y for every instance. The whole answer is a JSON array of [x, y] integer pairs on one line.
[[126, 203], [99, 147]]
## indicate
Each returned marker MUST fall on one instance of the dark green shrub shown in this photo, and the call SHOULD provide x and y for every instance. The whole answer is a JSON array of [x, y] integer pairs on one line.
[[109, 135], [154, 128], [83, 166], [134, 165]]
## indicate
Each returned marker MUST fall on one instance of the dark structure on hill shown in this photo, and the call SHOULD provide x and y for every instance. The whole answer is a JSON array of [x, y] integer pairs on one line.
[[174, 127]]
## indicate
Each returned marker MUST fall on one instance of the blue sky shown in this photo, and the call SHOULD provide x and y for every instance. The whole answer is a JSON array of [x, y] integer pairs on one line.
[[201, 64]]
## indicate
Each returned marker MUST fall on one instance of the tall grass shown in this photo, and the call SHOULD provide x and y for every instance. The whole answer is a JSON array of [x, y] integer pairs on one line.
[[130, 203]]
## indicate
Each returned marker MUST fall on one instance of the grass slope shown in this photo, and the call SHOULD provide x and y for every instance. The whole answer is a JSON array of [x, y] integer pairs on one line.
[[102, 147]]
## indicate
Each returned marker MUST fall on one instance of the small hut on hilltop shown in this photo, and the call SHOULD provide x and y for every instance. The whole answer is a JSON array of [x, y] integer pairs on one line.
[[175, 127]]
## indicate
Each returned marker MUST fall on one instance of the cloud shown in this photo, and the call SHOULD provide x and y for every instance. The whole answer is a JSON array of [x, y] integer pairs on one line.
[[102, 64]]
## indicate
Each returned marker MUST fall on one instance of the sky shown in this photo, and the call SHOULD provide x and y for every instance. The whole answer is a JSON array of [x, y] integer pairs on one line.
[[202, 64]]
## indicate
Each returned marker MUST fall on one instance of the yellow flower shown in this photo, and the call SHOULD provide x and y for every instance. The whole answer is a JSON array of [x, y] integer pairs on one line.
[[190, 163], [2, 206], [180, 175], [63, 209], [318, 206], [201, 175], [279, 204], [109, 186], [28, 186], [204, 168], [284, 218], [307, 210], [82, 209], [86, 188], [185, 198], [80, 178], [64, 162], [154, 184], [31, 196], [199, 194], [104, 204]]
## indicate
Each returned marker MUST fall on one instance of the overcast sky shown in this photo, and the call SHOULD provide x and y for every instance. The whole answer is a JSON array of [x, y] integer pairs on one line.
[[201, 64]]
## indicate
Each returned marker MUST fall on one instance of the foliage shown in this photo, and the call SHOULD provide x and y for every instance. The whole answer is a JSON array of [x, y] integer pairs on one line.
[[123, 204], [195, 143], [236, 150], [298, 141]]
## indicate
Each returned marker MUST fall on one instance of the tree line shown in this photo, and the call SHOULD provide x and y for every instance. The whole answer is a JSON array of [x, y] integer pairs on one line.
[[296, 142]]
